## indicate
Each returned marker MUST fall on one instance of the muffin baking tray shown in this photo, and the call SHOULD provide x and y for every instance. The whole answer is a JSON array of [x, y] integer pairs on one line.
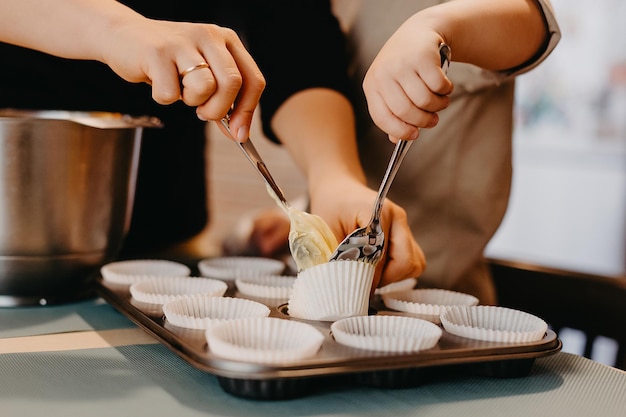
[[335, 364]]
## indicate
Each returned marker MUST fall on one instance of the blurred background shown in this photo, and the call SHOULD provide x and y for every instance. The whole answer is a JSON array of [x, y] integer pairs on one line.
[[568, 204]]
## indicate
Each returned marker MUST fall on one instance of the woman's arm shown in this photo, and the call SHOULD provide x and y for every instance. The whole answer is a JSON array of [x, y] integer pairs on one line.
[[144, 50], [317, 127], [404, 86], [492, 34]]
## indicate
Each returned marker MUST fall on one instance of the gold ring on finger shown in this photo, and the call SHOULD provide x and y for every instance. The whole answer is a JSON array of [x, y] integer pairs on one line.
[[193, 68]]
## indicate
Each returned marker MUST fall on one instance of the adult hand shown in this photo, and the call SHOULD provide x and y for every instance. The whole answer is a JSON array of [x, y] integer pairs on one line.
[[405, 86], [170, 57], [346, 204], [205, 65]]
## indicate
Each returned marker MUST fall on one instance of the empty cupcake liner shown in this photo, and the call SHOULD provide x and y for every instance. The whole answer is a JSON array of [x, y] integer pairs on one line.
[[386, 333], [202, 311], [229, 268], [131, 271], [404, 285], [332, 291], [493, 324], [270, 286], [264, 340], [427, 303], [163, 289]]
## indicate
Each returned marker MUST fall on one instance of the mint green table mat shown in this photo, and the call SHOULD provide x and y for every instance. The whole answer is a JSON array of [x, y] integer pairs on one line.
[[92, 314], [149, 380]]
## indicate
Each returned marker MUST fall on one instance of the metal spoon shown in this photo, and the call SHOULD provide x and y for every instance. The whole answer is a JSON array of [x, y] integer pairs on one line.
[[366, 244], [311, 241]]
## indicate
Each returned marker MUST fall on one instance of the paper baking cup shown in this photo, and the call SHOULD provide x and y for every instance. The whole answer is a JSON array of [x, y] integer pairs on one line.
[[229, 268], [163, 289], [202, 311], [386, 333], [404, 285], [129, 272], [270, 286], [264, 340], [332, 291], [427, 303], [493, 324]]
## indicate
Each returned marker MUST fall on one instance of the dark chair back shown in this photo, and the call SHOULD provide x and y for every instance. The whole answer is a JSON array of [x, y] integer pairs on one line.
[[593, 304]]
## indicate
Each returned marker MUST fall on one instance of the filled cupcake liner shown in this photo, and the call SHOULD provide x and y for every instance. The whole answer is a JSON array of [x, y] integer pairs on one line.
[[163, 289], [405, 285], [332, 291], [386, 333], [493, 324], [264, 340], [203, 311], [229, 268], [132, 271], [427, 303], [269, 286]]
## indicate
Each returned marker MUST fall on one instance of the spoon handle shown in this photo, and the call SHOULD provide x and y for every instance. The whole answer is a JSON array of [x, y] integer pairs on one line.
[[255, 159], [257, 162], [399, 152]]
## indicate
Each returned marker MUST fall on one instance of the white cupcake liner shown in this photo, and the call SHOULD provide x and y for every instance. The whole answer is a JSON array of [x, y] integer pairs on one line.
[[386, 333], [270, 286], [404, 285], [202, 311], [493, 324], [229, 268], [163, 289], [131, 271], [332, 291], [427, 303], [264, 340]]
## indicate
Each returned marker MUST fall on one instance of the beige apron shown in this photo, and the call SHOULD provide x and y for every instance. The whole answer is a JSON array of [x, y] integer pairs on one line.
[[455, 181]]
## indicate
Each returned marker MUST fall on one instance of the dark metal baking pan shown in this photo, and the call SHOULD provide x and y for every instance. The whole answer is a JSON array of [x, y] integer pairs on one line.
[[334, 361]]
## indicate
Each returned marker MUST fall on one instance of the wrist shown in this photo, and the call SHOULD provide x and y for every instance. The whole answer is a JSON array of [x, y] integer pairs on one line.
[[116, 28], [337, 183]]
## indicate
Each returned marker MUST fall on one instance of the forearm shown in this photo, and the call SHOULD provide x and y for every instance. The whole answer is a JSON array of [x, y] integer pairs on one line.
[[492, 34], [67, 28], [317, 127]]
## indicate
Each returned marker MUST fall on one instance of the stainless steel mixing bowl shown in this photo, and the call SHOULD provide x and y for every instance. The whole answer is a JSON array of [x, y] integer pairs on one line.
[[66, 192]]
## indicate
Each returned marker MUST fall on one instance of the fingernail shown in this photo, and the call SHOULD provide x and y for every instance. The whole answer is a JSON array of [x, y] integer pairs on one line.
[[242, 134], [201, 117], [414, 135]]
